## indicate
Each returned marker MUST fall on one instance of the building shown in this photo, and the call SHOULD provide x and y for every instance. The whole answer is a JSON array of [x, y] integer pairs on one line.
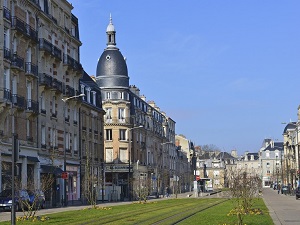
[[139, 139], [290, 163], [271, 158], [39, 97]]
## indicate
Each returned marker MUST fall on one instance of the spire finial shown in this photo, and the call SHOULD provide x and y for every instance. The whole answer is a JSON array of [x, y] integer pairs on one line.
[[110, 18]]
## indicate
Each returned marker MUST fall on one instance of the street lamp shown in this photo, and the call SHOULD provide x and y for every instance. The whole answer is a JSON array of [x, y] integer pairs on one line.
[[129, 161], [276, 170], [65, 155], [163, 164]]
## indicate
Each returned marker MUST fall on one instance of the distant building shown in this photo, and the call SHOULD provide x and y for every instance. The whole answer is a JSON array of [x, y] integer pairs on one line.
[[271, 158]]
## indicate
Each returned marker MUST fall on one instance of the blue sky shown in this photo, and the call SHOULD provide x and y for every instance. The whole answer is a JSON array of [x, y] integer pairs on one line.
[[227, 71]]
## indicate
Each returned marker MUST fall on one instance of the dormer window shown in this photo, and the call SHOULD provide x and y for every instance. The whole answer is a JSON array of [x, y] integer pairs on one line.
[[108, 96], [82, 90], [88, 95], [94, 97]]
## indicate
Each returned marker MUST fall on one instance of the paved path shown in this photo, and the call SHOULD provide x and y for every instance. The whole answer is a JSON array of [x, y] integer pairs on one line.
[[284, 209]]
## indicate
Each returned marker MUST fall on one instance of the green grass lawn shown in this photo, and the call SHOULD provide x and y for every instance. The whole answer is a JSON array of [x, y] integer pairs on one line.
[[214, 211]]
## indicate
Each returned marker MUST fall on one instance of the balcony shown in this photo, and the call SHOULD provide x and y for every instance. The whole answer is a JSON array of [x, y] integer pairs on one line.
[[69, 91], [19, 101], [57, 85], [117, 120], [45, 80], [56, 52], [18, 25], [32, 106], [7, 94], [7, 53], [72, 63], [17, 62], [24, 28], [31, 33], [31, 69], [45, 46], [6, 13]]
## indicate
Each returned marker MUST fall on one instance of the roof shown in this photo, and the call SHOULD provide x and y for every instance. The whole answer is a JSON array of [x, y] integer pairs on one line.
[[112, 68], [276, 146], [289, 126]]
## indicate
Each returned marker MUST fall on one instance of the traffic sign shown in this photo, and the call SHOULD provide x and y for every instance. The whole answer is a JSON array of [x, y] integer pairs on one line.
[[65, 175]]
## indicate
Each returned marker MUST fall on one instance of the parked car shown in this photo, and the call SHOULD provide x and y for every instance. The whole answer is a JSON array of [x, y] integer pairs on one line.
[[37, 199], [297, 192], [21, 199]]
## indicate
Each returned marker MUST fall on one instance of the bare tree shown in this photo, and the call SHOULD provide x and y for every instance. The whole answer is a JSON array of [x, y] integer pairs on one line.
[[244, 187], [90, 178]]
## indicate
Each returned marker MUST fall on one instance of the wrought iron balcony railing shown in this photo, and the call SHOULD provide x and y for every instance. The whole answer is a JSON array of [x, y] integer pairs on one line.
[[45, 79], [6, 13], [30, 68], [7, 53], [45, 45], [19, 101], [17, 61], [7, 94], [33, 106], [69, 91], [57, 85], [56, 52]]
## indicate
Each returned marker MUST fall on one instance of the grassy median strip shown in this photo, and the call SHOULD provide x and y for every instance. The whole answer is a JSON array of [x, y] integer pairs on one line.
[[197, 211]]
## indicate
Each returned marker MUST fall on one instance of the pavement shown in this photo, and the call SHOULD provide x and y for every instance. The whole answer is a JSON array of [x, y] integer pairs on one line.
[[283, 209]]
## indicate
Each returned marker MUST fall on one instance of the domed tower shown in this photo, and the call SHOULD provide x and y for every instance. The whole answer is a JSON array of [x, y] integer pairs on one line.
[[112, 69]]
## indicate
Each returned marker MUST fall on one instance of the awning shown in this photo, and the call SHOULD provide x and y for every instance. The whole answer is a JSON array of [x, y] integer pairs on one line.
[[51, 169], [33, 159]]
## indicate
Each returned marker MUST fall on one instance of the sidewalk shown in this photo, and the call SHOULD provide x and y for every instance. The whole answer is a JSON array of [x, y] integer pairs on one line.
[[284, 209]]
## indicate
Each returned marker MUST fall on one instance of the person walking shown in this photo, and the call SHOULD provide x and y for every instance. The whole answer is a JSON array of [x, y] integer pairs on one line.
[[278, 188]]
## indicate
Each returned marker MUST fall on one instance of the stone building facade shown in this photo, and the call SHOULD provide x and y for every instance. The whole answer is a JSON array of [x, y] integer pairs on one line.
[[40, 79]]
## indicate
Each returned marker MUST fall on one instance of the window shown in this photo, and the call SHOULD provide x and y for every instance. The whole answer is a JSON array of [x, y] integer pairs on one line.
[[6, 38], [14, 45], [43, 135], [121, 114], [94, 98], [82, 91], [88, 95], [67, 141], [53, 137], [122, 135], [268, 164], [29, 129], [109, 155], [108, 133], [123, 155], [75, 143], [108, 115], [75, 114], [6, 79], [43, 107], [107, 95], [267, 154], [53, 105], [29, 86]]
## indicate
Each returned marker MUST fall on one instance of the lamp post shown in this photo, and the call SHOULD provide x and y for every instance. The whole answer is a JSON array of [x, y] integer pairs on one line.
[[276, 171], [65, 100], [129, 161], [163, 162]]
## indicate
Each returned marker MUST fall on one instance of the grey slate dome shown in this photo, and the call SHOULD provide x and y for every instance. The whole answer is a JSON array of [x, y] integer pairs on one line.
[[112, 68]]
